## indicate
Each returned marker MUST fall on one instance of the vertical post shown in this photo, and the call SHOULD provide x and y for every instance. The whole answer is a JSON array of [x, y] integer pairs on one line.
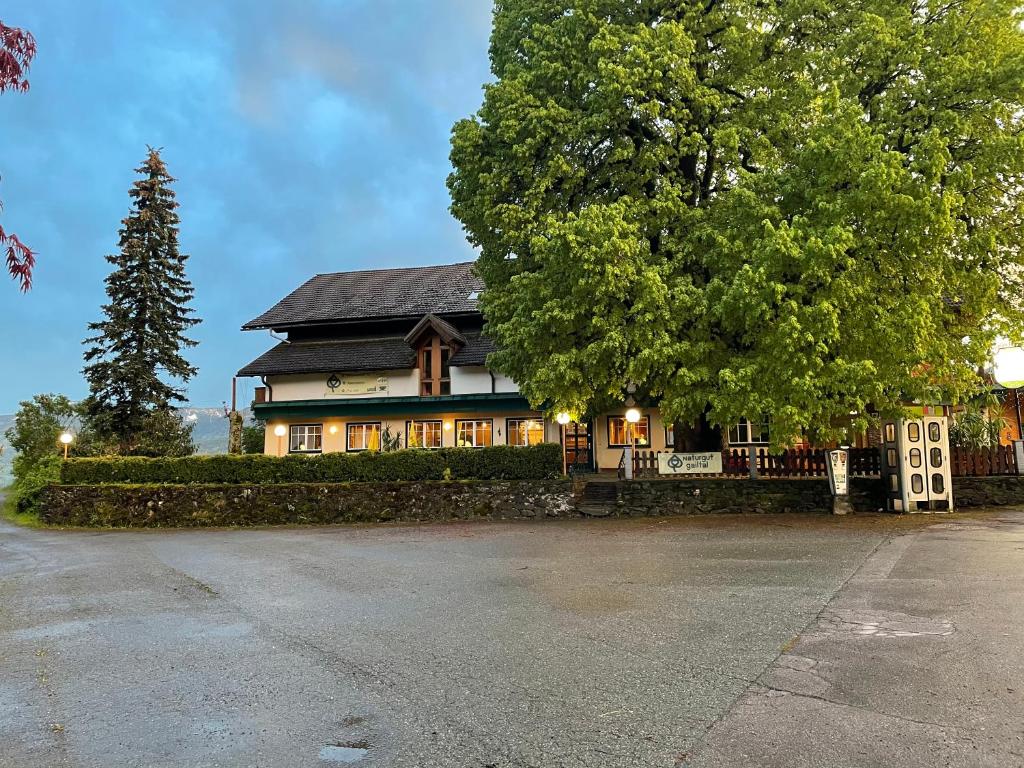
[[753, 461], [629, 451], [1016, 402], [565, 468]]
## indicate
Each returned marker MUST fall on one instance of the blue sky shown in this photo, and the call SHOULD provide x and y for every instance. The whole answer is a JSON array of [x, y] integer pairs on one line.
[[305, 136]]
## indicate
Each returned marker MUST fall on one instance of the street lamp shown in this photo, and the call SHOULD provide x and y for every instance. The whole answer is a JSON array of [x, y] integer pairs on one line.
[[632, 418], [66, 438], [280, 432], [1008, 371], [563, 418]]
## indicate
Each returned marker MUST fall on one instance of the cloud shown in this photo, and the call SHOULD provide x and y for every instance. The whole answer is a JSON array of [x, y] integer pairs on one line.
[[306, 137]]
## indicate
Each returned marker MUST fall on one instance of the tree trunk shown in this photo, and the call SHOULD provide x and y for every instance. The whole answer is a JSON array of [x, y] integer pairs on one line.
[[698, 437]]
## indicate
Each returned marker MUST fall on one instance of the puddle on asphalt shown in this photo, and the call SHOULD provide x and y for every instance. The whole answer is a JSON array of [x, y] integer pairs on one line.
[[351, 752]]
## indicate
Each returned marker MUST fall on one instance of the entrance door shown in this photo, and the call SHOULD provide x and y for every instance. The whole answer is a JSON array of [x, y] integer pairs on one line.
[[579, 447]]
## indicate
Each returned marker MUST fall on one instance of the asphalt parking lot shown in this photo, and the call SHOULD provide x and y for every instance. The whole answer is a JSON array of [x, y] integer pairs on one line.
[[732, 641]]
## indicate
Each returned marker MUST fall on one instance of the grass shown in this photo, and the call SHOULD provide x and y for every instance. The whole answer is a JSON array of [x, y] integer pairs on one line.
[[9, 511]]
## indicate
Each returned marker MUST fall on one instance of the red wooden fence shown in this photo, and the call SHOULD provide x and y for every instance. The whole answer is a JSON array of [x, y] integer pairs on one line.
[[983, 462], [810, 462]]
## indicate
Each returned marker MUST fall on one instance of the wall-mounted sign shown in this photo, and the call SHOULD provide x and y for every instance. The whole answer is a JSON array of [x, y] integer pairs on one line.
[[690, 463], [347, 386], [838, 472]]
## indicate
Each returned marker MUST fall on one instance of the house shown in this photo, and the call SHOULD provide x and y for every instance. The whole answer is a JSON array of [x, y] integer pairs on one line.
[[397, 357]]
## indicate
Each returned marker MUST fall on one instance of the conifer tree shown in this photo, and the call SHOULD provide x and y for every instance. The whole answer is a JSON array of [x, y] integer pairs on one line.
[[135, 367]]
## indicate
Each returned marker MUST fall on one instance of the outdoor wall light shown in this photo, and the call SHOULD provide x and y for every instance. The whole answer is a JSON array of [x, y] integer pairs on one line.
[[334, 429], [279, 430], [1009, 367], [563, 418], [447, 426], [633, 415]]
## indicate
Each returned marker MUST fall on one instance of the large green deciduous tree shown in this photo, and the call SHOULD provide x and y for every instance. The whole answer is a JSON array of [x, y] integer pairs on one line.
[[135, 363], [798, 208]]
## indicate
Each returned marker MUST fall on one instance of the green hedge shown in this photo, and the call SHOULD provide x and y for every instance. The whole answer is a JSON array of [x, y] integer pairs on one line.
[[538, 462]]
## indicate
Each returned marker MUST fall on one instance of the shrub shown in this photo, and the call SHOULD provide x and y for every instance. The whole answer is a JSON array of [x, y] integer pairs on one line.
[[496, 463], [32, 480]]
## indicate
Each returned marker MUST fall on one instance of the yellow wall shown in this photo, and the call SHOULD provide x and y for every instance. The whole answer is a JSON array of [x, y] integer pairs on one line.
[[608, 458]]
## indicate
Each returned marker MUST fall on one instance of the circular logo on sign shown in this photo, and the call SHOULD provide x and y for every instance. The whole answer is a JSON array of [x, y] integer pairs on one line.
[[333, 382]]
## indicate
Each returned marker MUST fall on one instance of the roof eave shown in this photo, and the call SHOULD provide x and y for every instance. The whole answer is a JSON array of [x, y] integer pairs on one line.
[[254, 325]]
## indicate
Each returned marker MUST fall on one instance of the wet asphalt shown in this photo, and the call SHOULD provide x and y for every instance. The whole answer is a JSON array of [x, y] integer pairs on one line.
[[730, 641]]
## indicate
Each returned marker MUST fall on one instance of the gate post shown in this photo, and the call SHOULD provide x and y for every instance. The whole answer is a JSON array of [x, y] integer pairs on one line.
[[753, 462]]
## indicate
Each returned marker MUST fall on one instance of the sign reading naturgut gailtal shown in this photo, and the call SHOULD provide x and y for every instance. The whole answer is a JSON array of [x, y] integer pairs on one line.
[[690, 463]]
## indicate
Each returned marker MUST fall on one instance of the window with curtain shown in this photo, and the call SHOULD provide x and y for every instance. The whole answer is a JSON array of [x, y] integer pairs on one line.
[[364, 437], [473, 434], [424, 434], [524, 432], [618, 432]]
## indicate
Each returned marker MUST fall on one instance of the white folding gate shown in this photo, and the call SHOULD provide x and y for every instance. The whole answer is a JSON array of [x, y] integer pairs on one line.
[[915, 464]]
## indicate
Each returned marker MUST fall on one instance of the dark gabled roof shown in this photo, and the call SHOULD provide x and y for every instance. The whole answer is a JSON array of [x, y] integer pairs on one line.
[[433, 324], [477, 348], [341, 356], [356, 355], [375, 294]]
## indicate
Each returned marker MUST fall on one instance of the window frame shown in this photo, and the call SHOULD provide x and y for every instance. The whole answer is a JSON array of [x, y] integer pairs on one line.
[[509, 420], [293, 427], [489, 422], [746, 423], [433, 351], [364, 424], [408, 430], [645, 419]]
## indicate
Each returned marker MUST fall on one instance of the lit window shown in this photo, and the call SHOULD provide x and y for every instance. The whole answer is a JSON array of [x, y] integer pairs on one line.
[[364, 437], [525, 431], [748, 432], [473, 434], [619, 431], [306, 438], [424, 434]]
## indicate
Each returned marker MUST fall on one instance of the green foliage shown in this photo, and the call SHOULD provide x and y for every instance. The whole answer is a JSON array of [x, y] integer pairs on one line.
[[495, 463], [253, 438], [390, 441], [748, 207], [975, 429], [37, 427], [164, 433], [30, 482], [138, 343]]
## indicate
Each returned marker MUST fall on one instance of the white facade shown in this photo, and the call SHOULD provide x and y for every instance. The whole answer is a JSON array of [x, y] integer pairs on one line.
[[465, 380]]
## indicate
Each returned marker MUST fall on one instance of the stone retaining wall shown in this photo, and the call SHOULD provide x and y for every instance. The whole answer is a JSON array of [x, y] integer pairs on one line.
[[701, 497], [988, 491], [130, 506], [188, 506]]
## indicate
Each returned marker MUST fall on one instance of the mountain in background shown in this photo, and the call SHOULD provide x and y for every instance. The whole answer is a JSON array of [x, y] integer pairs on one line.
[[210, 435]]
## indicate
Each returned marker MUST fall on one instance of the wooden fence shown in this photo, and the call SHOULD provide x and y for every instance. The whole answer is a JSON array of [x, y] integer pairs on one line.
[[810, 462], [982, 462], [793, 462]]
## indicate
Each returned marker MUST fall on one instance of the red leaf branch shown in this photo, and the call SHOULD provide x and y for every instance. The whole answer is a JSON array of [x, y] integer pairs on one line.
[[17, 48]]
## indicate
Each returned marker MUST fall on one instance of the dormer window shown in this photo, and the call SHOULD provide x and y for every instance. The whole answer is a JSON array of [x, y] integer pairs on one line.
[[435, 341], [435, 372]]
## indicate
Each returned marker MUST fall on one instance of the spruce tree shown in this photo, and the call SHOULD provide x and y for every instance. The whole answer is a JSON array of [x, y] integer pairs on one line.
[[135, 367]]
